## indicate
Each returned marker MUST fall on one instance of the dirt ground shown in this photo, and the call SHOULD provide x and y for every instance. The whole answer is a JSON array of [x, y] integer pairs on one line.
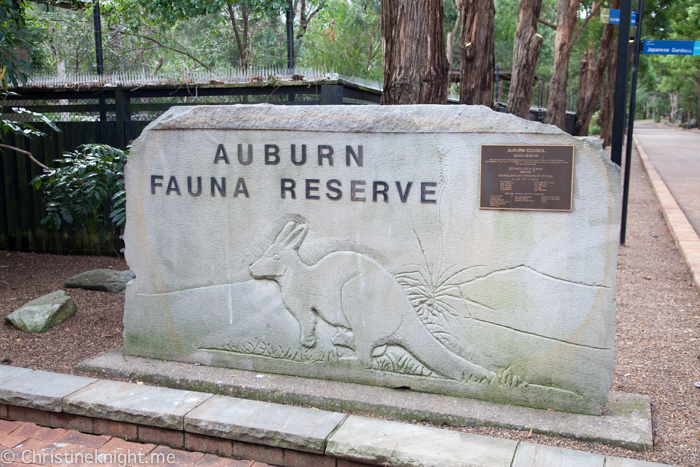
[[658, 327], [96, 327]]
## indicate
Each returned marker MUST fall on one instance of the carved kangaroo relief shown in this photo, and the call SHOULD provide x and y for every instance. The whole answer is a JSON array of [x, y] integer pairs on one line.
[[360, 298]]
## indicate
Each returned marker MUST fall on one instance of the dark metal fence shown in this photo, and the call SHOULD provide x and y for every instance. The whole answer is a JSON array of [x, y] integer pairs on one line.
[[116, 116]]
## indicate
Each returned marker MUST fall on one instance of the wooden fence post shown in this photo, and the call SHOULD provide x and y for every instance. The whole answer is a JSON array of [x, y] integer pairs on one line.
[[121, 99], [331, 94]]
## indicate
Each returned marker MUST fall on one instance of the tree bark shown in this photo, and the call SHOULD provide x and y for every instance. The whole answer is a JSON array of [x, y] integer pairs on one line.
[[241, 39], [567, 12], [587, 71], [305, 15], [477, 53], [525, 52], [592, 82], [416, 70], [608, 102]]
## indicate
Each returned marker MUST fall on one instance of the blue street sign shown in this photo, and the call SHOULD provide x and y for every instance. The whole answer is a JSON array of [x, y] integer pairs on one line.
[[671, 48], [613, 16]]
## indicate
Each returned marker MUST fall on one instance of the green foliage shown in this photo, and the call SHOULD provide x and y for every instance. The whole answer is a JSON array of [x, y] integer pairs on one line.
[[76, 192], [22, 128], [185, 35], [14, 35], [170, 11], [346, 37], [505, 22], [670, 84]]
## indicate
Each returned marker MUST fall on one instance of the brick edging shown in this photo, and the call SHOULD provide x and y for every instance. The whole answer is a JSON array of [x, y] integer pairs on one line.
[[175, 439], [683, 233]]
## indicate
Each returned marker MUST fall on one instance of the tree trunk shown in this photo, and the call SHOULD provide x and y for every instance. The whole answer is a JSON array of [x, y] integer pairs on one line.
[[607, 104], [305, 15], [525, 52], [241, 38], [589, 89], [567, 13], [413, 49], [587, 72], [478, 69]]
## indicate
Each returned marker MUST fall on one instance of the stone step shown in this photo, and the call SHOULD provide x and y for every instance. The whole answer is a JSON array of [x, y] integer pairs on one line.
[[273, 433]]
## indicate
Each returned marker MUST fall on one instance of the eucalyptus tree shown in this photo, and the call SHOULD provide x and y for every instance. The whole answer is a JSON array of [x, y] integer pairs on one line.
[[477, 52], [526, 50], [591, 76], [568, 31], [345, 37], [238, 14], [416, 70], [684, 73], [241, 16], [15, 35]]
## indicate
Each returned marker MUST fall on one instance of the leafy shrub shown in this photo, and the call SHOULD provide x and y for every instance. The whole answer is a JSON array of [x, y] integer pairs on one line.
[[76, 192]]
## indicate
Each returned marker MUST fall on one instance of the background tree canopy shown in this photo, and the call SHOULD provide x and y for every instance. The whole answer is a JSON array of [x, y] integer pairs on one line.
[[175, 37]]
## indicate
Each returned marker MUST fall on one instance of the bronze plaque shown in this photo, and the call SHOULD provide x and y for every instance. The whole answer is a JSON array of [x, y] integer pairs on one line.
[[526, 177]]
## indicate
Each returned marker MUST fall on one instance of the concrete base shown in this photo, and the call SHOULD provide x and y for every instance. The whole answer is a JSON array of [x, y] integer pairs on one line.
[[626, 419]]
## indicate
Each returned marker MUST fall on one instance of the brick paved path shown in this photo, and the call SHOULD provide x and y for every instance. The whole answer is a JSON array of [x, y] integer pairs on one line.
[[676, 157], [23, 443]]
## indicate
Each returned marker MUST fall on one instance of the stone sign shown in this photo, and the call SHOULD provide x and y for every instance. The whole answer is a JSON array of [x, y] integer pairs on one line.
[[347, 243]]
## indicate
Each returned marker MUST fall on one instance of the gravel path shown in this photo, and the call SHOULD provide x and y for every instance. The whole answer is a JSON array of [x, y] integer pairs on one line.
[[658, 328]]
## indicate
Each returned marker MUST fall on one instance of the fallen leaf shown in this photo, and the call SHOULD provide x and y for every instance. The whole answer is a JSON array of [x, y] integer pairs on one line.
[[530, 433]]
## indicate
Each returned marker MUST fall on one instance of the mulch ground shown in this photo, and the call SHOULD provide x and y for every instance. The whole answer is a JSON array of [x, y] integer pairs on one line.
[[96, 327], [656, 349]]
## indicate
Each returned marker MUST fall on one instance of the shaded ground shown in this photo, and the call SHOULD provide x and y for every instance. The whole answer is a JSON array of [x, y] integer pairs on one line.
[[656, 352], [96, 327]]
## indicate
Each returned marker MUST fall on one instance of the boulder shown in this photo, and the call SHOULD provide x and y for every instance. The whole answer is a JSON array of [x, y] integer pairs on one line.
[[449, 249], [103, 280], [43, 313]]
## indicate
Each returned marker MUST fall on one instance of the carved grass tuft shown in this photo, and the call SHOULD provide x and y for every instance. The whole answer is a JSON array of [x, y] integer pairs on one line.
[[398, 360], [264, 349]]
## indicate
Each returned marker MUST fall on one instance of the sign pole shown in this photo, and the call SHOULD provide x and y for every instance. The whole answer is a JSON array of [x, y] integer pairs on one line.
[[290, 35], [630, 124], [98, 38], [99, 62], [623, 51]]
